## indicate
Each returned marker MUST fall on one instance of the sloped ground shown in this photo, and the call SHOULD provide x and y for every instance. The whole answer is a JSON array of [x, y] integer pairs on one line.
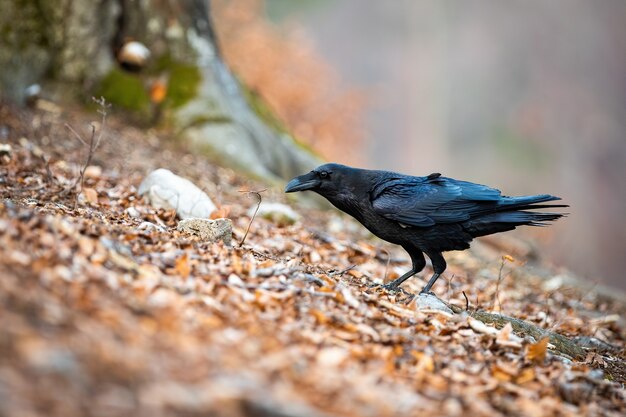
[[102, 315]]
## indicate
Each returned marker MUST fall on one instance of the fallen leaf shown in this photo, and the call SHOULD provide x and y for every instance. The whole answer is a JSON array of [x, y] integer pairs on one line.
[[526, 375], [537, 351], [91, 195], [480, 327], [182, 266]]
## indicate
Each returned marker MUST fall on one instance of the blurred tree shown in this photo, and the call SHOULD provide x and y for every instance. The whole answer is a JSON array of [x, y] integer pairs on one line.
[[90, 46]]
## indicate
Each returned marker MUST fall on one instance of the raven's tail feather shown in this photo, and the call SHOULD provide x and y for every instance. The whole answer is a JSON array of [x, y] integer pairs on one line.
[[528, 202], [511, 213]]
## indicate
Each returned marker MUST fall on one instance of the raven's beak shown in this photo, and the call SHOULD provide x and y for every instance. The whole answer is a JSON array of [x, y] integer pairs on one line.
[[302, 183]]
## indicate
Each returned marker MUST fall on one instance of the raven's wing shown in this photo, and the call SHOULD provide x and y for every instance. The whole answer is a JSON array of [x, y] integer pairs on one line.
[[426, 201]]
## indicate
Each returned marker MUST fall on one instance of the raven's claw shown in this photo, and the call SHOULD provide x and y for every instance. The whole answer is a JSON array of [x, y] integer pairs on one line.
[[391, 287]]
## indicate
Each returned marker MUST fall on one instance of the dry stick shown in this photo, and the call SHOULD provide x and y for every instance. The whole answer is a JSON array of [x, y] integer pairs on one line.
[[343, 271], [450, 287], [386, 263], [467, 303], [256, 210], [497, 294], [94, 142]]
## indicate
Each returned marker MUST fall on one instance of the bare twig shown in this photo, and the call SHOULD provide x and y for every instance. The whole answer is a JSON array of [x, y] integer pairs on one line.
[[343, 271], [257, 194], [51, 178], [386, 263], [467, 303], [497, 294], [94, 142]]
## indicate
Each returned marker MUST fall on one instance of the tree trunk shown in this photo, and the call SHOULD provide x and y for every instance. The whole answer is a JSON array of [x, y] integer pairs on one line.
[[74, 43]]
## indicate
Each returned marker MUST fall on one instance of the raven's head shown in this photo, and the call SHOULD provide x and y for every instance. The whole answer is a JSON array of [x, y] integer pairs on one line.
[[326, 180]]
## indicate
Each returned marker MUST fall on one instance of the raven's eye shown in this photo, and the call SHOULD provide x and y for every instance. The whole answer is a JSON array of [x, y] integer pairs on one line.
[[323, 174]]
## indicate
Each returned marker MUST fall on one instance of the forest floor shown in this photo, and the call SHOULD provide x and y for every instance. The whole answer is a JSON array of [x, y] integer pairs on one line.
[[103, 314]]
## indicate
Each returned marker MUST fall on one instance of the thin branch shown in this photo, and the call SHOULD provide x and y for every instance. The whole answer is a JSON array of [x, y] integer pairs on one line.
[[256, 210], [386, 263], [467, 303], [94, 142], [497, 294], [76, 134], [343, 271]]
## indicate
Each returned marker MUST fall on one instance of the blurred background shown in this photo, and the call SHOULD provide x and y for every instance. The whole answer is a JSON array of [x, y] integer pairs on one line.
[[527, 96]]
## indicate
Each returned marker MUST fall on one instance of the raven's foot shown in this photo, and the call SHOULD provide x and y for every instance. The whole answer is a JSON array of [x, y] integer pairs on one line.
[[395, 289], [387, 286], [391, 287]]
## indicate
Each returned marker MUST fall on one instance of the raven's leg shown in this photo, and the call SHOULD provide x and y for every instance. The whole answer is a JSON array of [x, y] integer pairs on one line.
[[439, 265], [417, 258]]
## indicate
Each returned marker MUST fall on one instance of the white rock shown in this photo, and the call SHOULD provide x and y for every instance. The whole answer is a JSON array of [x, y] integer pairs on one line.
[[5, 150], [150, 227], [430, 302], [209, 230], [276, 212], [134, 53], [133, 212], [164, 189]]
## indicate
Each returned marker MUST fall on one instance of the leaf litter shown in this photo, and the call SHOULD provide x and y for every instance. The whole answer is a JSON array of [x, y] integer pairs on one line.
[[106, 309]]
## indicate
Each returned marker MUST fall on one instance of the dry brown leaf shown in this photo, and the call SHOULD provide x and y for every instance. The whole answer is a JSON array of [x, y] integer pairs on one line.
[[536, 352], [182, 266], [354, 273], [480, 327], [221, 213], [91, 195], [320, 317], [503, 372], [424, 362], [526, 375]]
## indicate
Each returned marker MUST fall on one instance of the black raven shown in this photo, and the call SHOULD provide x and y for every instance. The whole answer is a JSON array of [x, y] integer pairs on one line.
[[424, 215]]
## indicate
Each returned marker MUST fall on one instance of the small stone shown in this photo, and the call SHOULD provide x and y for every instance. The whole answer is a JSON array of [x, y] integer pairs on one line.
[[278, 213], [133, 212], [164, 189], [430, 302], [5, 150], [150, 227], [133, 55], [93, 171], [208, 230], [332, 356]]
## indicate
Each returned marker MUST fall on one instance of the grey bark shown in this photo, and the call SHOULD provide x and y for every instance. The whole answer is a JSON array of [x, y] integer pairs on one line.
[[73, 42]]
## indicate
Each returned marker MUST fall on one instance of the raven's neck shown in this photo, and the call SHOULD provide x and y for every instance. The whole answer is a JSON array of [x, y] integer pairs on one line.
[[354, 205]]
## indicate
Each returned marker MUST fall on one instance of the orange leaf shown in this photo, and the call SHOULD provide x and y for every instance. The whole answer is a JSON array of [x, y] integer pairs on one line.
[[221, 213], [158, 91], [320, 317], [537, 351], [182, 266], [508, 258], [91, 195], [502, 372], [526, 375]]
